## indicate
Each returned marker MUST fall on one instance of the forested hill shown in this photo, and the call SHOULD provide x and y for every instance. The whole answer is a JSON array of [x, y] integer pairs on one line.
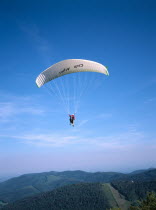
[[148, 175], [134, 190], [84, 196], [32, 184], [135, 186]]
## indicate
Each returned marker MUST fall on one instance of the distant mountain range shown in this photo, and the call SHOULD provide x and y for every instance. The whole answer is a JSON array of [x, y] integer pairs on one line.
[[43, 186]]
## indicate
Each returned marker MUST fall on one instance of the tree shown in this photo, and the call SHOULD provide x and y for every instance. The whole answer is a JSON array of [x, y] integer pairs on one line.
[[148, 204]]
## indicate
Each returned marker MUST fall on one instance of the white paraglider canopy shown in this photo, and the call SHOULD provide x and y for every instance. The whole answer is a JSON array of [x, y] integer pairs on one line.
[[67, 67], [68, 87]]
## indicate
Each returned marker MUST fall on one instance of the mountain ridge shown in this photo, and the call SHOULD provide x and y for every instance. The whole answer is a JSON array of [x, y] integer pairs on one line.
[[31, 184]]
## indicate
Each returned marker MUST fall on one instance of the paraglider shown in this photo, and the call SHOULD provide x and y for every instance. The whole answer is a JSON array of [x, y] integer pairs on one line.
[[70, 89], [71, 119]]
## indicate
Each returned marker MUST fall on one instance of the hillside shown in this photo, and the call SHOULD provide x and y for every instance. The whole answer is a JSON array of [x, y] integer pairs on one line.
[[32, 184], [4, 178], [134, 190], [136, 185], [84, 196], [141, 171], [145, 175]]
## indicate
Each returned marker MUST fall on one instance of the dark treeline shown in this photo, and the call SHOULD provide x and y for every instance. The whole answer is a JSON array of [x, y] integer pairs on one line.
[[74, 197], [149, 203], [134, 190]]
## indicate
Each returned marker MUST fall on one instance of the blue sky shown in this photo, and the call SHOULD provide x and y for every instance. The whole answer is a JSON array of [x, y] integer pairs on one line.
[[115, 125]]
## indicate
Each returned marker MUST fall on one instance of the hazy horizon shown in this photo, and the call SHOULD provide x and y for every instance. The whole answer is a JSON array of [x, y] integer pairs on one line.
[[20, 174]]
